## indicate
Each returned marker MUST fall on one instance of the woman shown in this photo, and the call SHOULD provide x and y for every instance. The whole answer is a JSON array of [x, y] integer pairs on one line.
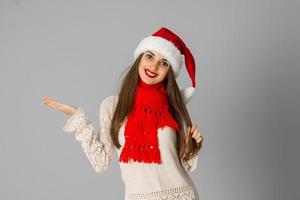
[[145, 123]]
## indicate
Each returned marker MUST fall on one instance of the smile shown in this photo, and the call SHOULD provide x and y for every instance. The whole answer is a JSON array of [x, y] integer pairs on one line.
[[150, 74]]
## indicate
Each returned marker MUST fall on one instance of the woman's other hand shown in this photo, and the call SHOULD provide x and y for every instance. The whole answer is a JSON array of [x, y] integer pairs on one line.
[[67, 109], [196, 134]]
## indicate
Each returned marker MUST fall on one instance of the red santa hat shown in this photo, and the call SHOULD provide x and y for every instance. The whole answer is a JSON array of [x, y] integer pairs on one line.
[[170, 45]]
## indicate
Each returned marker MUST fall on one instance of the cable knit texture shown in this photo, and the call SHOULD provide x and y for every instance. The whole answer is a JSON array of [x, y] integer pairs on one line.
[[169, 180]]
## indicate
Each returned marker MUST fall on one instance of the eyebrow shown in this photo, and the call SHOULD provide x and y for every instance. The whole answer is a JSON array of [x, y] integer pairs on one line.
[[154, 55]]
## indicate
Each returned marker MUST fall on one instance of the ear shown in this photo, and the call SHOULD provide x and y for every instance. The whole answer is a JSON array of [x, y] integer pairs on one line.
[[187, 94]]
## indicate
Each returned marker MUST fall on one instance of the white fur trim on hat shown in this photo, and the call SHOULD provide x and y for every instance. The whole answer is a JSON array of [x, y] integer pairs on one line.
[[163, 46], [187, 93]]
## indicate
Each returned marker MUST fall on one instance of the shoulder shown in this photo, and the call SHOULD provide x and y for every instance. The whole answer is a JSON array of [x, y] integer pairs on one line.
[[109, 103], [110, 100]]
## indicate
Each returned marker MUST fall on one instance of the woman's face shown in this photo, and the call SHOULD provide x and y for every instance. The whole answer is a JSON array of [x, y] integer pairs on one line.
[[153, 67]]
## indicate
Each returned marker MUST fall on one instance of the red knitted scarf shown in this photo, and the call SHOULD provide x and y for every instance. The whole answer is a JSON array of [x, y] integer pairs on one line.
[[150, 112]]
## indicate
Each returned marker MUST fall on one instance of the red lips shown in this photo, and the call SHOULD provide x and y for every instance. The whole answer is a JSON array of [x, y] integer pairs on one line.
[[150, 74]]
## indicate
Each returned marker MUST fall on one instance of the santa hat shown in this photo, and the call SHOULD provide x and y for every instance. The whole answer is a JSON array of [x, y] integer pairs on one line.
[[174, 49]]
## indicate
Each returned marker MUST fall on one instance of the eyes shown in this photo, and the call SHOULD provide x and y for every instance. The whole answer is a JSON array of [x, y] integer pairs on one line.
[[150, 57]]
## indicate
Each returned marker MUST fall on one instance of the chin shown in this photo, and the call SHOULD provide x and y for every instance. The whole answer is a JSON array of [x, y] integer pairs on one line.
[[149, 81]]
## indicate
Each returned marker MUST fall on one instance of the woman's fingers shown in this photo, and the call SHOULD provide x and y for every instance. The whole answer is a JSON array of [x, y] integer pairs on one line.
[[67, 109], [196, 134], [194, 126], [53, 103]]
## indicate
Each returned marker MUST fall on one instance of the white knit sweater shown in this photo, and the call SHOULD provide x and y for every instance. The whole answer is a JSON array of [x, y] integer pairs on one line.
[[168, 180]]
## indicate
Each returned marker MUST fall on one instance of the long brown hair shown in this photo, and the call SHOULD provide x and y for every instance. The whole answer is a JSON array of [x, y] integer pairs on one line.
[[176, 104]]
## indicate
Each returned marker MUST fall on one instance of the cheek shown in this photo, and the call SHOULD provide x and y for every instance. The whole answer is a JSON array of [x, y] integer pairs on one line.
[[140, 71], [141, 67], [142, 63], [164, 72]]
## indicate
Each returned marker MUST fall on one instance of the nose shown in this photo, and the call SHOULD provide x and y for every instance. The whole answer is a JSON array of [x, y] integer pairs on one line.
[[154, 66]]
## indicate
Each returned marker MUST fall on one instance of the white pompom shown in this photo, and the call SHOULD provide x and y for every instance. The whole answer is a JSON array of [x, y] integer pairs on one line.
[[187, 93]]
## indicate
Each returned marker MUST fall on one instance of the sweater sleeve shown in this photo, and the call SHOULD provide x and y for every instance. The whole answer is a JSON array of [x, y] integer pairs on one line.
[[97, 145], [191, 164]]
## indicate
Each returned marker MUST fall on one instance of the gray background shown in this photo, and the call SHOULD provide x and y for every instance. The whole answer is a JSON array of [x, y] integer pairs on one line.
[[246, 102]]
